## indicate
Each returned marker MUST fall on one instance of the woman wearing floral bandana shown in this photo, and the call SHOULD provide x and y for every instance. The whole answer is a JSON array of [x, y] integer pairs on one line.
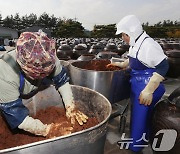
[[23, 72]]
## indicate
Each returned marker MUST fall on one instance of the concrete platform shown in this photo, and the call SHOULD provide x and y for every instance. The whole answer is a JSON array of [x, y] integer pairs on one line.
[[113, 135]]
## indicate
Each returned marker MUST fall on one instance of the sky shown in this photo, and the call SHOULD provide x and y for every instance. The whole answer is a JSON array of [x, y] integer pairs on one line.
[[95, 12]]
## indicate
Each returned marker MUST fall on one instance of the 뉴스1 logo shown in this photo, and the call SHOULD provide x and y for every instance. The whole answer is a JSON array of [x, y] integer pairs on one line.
[[164, 140]]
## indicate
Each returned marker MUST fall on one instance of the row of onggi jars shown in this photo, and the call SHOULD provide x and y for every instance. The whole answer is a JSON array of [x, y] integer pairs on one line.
[[105, 48]]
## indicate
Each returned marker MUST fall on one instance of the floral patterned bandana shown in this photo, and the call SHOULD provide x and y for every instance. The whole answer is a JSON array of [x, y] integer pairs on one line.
[[36, 54]]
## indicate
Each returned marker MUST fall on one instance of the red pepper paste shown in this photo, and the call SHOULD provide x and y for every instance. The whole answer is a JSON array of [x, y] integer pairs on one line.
[[100, 65], [12, 138]]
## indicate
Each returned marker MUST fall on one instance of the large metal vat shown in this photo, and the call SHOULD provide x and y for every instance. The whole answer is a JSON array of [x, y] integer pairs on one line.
[[114, 85], [89, 141]]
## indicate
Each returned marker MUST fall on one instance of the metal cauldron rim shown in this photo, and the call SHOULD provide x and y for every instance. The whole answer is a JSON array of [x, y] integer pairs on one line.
[[77, 61]]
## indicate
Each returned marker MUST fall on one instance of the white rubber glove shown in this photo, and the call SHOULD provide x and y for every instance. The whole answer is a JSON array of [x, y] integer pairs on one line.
[[34, 126], [68, 99], [146, 95], [120, 64]]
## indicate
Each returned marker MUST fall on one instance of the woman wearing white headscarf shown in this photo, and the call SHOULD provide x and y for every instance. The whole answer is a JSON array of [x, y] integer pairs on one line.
[[148, 65]]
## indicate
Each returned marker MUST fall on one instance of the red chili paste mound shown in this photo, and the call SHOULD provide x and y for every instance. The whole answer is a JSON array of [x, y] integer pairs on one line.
[[12, 138], [100, 65]]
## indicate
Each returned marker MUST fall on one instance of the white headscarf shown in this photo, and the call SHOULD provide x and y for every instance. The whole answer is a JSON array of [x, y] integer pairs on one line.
[[131, 26], [150, 52]]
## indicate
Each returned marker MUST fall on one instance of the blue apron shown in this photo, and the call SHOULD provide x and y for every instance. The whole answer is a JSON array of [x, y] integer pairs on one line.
[[15, 111], [141, 114], [43, 84]]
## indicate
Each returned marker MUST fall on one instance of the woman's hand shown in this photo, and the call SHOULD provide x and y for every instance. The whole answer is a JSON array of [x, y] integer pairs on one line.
[[59, 129], [74, 114]]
